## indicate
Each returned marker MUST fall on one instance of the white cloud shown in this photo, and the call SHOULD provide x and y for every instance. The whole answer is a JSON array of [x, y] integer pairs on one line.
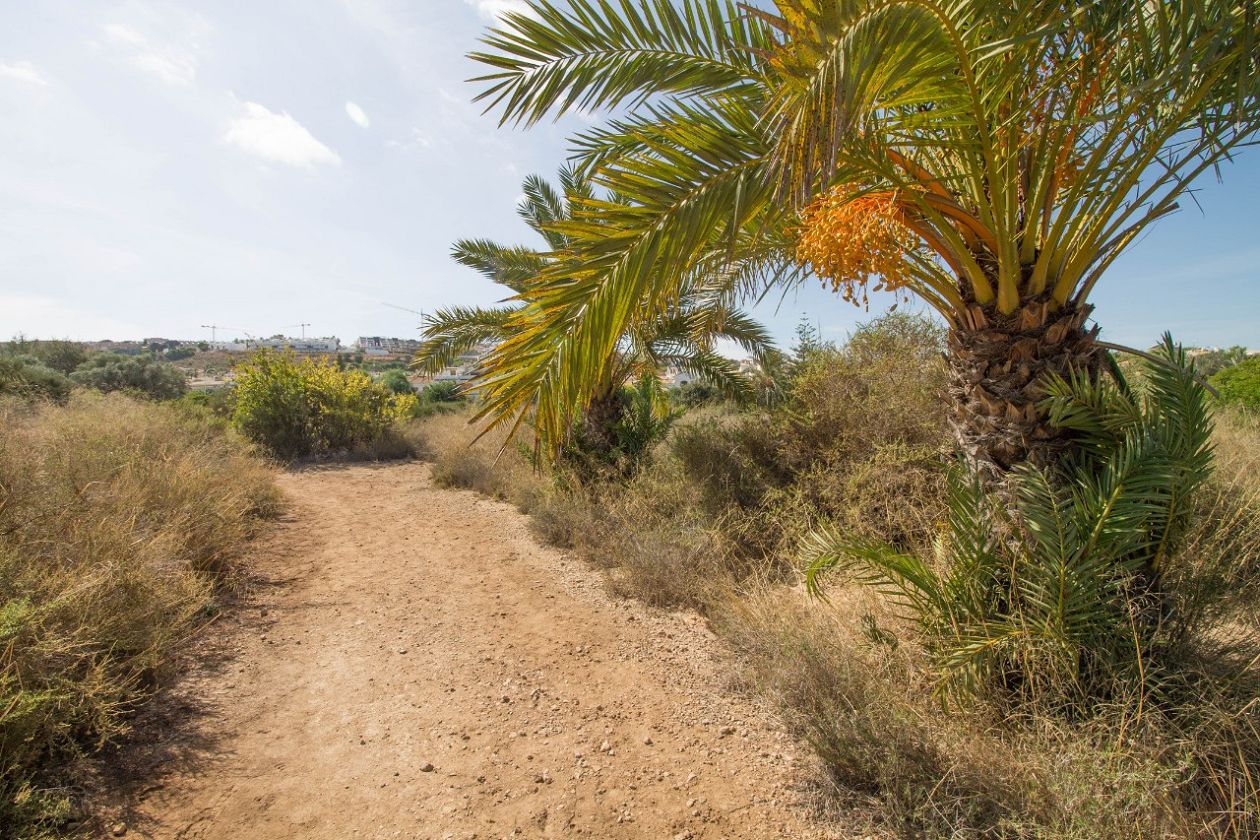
[[420, 139], [355, 113], [121, 34], [22, 71], [496, 9], [277, 138], [171, 63]]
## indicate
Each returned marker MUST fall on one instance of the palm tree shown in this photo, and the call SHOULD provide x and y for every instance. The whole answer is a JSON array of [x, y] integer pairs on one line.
[[683, 337], [990, 157], [453, 331]]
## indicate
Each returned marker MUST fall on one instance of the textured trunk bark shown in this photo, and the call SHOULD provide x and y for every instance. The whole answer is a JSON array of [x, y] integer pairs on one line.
[[997, 364], [597, 429]]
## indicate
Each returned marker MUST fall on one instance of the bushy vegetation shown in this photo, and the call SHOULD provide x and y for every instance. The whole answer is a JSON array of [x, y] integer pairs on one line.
[[27, 377], [445, 391], [62, 356], [297, 407], [395, 379], [1133, 715], [1212, 362], [1239, 384], [143, 375], [119, 521]]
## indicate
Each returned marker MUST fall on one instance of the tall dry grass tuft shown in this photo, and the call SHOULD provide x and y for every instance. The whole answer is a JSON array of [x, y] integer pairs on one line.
[[118, 520], [491, 464], [1226, 537]]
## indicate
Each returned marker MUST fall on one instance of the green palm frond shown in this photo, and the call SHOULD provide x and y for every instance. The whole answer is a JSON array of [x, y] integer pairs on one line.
[[720, 373], [542, 208], [449, 333], [904, 578], [511, 266], [592, 55]]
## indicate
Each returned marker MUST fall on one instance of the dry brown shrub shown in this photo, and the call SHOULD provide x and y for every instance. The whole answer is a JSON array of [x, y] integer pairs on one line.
[[118, 520]]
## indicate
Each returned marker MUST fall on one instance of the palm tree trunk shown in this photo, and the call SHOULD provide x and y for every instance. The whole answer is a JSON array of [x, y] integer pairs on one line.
[[997, 366], [598, 427]]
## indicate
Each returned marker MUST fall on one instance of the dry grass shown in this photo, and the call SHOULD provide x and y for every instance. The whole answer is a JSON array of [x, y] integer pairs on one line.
[[118, 521], [1228, 532], [920, 770], [491, 465], [711, 523]]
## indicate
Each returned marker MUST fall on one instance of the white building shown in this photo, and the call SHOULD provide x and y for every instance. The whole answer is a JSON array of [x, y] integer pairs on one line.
[[380, 347], [672, 377], [305, 346], [465, 366]]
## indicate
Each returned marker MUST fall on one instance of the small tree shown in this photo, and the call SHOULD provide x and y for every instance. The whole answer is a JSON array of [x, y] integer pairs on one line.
[[396, 381]]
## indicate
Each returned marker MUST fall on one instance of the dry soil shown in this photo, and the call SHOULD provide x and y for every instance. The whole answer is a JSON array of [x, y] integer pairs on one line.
[[420, 667]]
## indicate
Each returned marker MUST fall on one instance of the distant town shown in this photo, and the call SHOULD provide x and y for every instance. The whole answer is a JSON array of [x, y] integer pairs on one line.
[[208, 363]]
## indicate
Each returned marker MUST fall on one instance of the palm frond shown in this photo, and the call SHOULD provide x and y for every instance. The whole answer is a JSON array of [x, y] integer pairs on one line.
[[904, 578], [511, 266], [590, 55], [452, 332]]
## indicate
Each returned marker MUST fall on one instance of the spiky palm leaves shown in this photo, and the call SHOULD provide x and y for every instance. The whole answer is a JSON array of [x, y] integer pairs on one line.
[[998, 157], [683, 336], [1063, 592], [453, 331]]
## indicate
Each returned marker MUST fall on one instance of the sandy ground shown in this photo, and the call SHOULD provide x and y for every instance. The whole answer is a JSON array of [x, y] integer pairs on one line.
[[420, 667]]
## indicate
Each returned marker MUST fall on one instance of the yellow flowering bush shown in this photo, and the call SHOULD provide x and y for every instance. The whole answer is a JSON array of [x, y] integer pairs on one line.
[[301, 406]]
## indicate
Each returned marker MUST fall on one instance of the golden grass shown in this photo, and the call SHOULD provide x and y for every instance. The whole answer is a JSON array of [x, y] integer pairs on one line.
[[118, 520]]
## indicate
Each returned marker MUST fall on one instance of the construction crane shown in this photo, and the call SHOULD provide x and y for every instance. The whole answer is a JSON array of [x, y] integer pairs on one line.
[[214, 328], [419, 312], [303, 325]]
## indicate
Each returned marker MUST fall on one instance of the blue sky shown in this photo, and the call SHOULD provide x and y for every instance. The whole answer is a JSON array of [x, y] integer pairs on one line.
[[256, 165]]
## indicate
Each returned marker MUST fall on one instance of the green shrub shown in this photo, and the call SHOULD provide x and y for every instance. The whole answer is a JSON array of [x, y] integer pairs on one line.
[[445, 391], [696, 394], [217, 402], [858, 437], [297, 407], [118, 520], [144, 375], [395, 379], [1240, 383], [26, 377], [62, 356]]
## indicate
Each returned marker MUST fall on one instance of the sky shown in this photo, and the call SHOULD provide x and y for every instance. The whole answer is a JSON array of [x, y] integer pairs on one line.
[[168, 165]]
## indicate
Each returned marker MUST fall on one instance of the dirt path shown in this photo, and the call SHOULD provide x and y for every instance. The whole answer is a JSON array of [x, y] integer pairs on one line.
[[425, 669]]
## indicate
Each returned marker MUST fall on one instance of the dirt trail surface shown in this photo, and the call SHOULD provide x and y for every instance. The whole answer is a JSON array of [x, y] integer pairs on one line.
[[423, 668]]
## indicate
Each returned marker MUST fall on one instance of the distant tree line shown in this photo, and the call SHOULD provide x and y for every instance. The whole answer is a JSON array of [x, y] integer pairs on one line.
[[51, 370]]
